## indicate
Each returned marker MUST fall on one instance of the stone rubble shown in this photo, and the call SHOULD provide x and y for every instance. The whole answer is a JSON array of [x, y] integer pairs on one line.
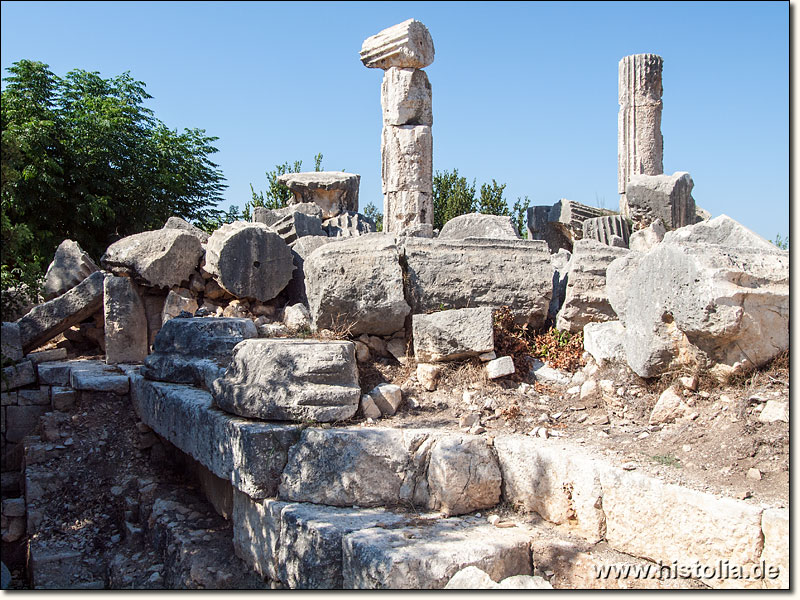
[[70, 266]]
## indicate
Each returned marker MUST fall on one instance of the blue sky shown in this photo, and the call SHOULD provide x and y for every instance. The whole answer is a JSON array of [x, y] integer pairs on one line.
[[525, 93]]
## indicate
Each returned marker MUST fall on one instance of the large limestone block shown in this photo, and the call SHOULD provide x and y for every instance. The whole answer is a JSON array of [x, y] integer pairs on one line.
[[640, 146], [162, 258], [47, 320], [297, 225], [477, 225], [775, 526], [605, 341], [249, 454], [96, 376], [651, 519], [249, 260], [407, 159], [301, 248], [472, 578], [406, 97], [409, 213], [17, 375], [291, 379], [556, 482], [406, 45], [11, 341], [70, 266], [646, 239], [363, 467], [453, 334], [480, 273], [427, 555], [125, 321], [560, 224], [721, 230], [196, 350], [665, 197], [310, 551], [183, 225], [357, 285], [585, 298], [348, 224], [333, 191], [701, 305], [257, 533], [463, 475]]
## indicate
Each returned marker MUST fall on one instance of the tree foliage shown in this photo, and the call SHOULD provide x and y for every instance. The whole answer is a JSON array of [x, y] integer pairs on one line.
[[83, 158], [276, 195], [371, 211]]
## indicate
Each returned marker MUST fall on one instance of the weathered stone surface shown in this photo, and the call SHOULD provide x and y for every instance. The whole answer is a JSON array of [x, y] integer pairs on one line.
[[96, 376], [183, 225], [363, 467], [775, 410], [721, 230], [426, 556], [640, 145], [162, 258], [480, 273], [18, 375], [477, 225], [472, 578], [646, 239], [428, 375], [196, 350], [178, 300], [296, 317], [48, 355], [333, 191], [249, 260], [453, 334], [54, 373], [310, 552], [694, 304], [357, 285], [348, 224], [670, 406], [11, 341], [604, 341], [607, 230], [407, 155], [706, 529], [406, 45], [290, 379], [301, 248], [665, 197], [249, 454], [560, 224], [297, 225], [47, 320], [585, 298], [22, 421], [463, 475], [500, 367], [271, 216], [368, 408], [70, 266], [387, 397], [406, 97], [125, 321], [63, 398], [775, 526], [410, 213], [257, 533], [556, 482]]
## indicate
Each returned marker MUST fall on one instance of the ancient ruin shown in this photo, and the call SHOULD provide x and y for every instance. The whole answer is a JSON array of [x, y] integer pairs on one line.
[[301, 402]]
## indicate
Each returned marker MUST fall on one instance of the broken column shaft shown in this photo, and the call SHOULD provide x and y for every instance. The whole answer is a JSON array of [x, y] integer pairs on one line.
[[406, 140], [640, 144]]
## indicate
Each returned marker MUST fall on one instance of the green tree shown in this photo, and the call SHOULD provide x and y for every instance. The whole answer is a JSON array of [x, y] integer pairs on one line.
[[276, 195], [83, 158], [453, 196], [371, 211], [520, 214], [491, 201], [781, 242]]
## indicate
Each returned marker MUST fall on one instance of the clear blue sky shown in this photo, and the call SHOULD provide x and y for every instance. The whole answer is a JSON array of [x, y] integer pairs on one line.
[[525, 93]]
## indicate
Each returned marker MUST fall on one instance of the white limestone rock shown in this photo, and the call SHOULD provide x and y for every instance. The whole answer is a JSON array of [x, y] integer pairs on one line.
[[125, 321], [387, 397], [604, 341], [645, 239], [453, 334], [670, 406], [11, 341], [775, 410], [406, 97], [664, 197], [406, 45], [182, 224], [500, 367], [407, 159], [334, 192], [721, 230], [290, 379], [477, 225], [70, 266], [428, 375], [296, 317]]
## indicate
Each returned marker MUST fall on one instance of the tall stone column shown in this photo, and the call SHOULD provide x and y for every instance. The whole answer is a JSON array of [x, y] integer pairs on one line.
[[640, 144], [402, 51]]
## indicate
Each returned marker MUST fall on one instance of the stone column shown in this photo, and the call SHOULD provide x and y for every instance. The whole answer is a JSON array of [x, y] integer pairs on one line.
[[640, 144], [406, 141]]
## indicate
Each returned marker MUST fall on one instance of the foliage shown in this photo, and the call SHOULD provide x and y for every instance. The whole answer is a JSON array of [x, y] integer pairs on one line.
[[519, 214], [371, 211], [82, 158], [562, 349], [512, 340], [667, 460], [214, 222], [781, 242], [491, 201], [453, 196], [277, 195]]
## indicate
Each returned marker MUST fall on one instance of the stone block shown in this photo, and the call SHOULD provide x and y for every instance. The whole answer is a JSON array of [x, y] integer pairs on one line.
[[11, 341], [348, 224], [604, 341], [664, 197], [407, 160], [357, 285], [560, 224], [406, 97], [95, 376], [477, 225], [775, 526], [63, 398], [257, 533], [50, 355], [453, 334], [47, 320], [125, 321], [38, 397], [54, 373], [406, 45], [17, 375], [162, 258], [387, 398], [408, 212], [607, 230], [183, 225], [70, 266], [22, 421], [500, 367], [722, 231], [290, 379], [333, 191], [645, 239], [178, 301]]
